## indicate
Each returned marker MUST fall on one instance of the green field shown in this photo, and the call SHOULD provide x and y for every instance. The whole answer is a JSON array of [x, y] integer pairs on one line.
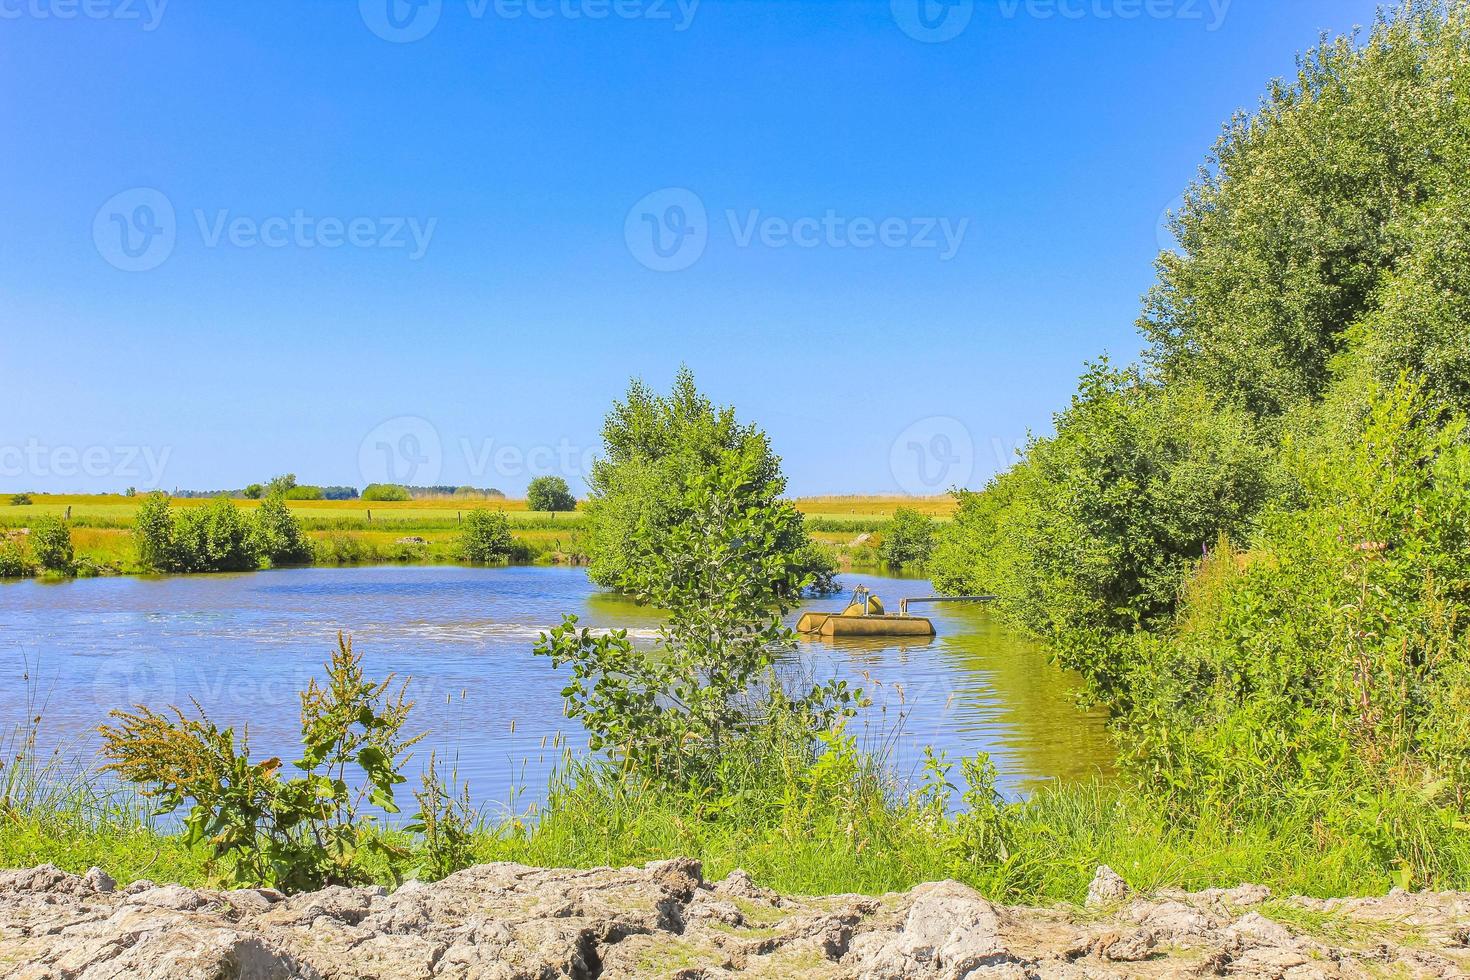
[[358, 532]]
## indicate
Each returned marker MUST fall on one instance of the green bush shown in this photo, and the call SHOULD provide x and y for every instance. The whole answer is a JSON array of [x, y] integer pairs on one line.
[[1097, 528], [279, 538], [385, 492], [214, 537], [549, 493], [15, 562], [486, 539], [305, 493], [51, 545], [20, 500], [655, 447], [908, 540]]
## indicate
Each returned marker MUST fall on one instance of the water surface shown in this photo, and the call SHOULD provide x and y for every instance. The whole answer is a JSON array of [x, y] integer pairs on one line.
[[243, 645]]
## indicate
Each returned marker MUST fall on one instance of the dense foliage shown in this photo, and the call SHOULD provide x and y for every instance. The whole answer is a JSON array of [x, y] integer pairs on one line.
[[1254, 545], [218, 536], [486, 538], [385, 492], [51, 545], [655, 449], [550, 493], [908, 540]]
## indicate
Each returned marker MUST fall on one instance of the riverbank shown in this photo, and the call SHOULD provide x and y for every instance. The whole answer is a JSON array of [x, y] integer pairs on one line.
[[667, 919], [419, 532]]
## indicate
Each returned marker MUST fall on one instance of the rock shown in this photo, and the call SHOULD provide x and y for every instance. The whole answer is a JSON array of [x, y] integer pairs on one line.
[[508, 922], [99, 881], [1107, 888]]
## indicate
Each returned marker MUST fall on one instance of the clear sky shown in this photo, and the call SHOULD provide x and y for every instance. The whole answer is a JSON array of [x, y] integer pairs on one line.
[[431, 241]]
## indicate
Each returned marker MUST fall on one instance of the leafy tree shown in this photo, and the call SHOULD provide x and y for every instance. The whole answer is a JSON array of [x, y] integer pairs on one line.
[[279, 538], [1096, 530], [281, 485], [296, 834], [1308, 204], [305, 493], [549, 493], [908, 539], [486, 538], [51, 545], [672, 713], [655, 447], [385, 492], [254, 492]]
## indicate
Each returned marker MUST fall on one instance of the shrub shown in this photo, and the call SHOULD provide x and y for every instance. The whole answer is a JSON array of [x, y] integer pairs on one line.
[[14, 561], [51, 544], [296, 834], [908, 539], [279, 538], [211, 538], [657, 446], [550, 493], [305, 493], [20, 500], [253, 492], [385, 492], [1329, 662], [486, 537], [1094, 532]]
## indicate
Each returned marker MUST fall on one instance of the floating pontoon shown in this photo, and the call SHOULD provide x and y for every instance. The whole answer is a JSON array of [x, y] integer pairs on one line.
[[864, 616]]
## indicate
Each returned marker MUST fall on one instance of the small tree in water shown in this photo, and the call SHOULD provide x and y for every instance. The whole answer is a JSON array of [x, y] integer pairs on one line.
[[671, 712]]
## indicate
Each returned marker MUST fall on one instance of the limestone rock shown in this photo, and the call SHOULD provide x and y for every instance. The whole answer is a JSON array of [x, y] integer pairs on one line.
[[508, 922]]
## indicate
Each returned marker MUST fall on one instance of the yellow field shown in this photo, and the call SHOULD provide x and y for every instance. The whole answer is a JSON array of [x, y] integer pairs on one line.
[[114, 507]]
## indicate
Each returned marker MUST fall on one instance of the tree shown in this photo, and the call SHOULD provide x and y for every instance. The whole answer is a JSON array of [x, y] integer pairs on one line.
[[672, 712], [655, 448], [280, 485], [211, 538], [486, 537], [908, 539], [385, 492], [549, 493]]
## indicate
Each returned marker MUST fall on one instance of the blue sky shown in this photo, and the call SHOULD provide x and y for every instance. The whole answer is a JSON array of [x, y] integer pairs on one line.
[[245, 238]]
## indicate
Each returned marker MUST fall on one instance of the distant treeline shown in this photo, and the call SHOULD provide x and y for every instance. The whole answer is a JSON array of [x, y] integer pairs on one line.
[[286, 486]]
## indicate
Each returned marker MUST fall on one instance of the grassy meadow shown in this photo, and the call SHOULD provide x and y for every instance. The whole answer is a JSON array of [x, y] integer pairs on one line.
[[360, 532]]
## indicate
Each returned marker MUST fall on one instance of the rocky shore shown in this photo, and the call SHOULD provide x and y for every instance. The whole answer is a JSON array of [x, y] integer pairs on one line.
[[504, 921]]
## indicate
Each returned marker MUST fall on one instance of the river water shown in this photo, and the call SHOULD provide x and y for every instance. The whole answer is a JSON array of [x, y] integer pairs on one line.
[[242, 646]]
